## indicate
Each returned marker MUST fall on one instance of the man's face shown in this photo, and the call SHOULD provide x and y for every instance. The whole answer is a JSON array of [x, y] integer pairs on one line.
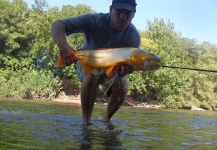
[[120, 18]]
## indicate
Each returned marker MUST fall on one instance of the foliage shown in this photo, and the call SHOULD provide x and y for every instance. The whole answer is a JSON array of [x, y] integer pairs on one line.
[[165, 85], [14, 37], [28, 84], [176, 88]]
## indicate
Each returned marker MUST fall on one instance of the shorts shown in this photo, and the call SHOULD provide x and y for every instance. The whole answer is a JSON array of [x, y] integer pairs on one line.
[[106, 83]]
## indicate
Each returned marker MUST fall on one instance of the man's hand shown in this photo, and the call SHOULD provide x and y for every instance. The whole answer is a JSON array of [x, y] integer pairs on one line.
[[124, 70], [68, 54], [58, 34]]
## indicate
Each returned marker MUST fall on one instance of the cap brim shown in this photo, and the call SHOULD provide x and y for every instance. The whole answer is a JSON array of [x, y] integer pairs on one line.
[[124, 6]]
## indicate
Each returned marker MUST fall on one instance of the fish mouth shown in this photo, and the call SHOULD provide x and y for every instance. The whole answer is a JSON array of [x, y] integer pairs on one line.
[[152, 64]]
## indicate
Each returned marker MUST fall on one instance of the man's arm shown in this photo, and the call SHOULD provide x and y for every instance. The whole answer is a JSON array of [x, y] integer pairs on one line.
[[58, 34]]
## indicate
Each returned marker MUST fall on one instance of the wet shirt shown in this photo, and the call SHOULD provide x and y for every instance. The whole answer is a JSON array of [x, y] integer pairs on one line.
[[98, 33]]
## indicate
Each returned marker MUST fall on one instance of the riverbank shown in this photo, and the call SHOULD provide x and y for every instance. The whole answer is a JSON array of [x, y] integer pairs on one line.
[[66, 96], [76, 100], [101, 100]]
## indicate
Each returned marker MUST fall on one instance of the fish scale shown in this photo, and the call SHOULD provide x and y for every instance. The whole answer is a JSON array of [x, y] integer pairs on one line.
[[105, 57]]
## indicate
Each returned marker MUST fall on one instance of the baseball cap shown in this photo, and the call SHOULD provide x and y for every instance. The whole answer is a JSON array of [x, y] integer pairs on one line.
[[124, 4]]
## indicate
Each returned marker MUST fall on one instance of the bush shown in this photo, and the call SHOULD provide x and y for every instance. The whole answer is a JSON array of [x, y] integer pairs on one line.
[[29, 84]]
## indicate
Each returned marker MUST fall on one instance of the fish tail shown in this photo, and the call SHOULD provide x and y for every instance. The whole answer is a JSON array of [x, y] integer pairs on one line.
[[60, 62]]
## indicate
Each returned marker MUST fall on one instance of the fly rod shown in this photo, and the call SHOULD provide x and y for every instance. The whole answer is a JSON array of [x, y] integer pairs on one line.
[[195, 69]]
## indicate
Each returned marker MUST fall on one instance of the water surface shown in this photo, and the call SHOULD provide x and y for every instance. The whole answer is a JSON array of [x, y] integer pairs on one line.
[[26, 124]]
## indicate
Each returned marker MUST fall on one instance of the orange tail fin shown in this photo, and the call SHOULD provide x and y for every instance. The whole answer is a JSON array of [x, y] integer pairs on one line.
[[60, 62]]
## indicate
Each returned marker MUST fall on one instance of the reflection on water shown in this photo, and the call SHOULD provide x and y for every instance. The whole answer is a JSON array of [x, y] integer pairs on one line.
[[50, 125]]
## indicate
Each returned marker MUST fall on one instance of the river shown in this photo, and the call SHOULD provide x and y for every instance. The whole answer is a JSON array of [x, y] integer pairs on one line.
[[31, 124]]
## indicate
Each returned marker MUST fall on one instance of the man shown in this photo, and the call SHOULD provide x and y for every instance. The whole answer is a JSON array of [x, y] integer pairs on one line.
[[111, 30]]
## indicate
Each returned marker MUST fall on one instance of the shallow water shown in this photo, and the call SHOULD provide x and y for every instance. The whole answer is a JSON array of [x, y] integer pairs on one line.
[[26, 124]]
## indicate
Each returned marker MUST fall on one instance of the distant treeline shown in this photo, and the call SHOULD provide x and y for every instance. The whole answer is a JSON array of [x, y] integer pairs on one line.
[[28, 54]]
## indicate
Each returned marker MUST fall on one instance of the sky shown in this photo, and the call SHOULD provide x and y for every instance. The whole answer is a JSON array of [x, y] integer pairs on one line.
[[194, 19]]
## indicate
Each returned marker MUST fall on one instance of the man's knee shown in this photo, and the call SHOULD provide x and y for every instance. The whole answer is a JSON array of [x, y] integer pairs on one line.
[[90, 81], [120, 86]]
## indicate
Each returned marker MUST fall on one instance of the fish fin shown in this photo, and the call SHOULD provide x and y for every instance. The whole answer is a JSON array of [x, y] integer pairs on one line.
[[60, 62], [110, 71], [87, 69]]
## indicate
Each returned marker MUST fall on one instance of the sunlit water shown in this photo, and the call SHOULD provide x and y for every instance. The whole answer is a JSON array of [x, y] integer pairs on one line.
[[26, 124]]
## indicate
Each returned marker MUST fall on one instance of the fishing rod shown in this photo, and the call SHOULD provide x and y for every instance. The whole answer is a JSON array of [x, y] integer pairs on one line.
[[195, 69]]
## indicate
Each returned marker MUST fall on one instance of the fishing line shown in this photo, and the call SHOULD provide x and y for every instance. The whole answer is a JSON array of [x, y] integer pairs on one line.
[[195, 69]]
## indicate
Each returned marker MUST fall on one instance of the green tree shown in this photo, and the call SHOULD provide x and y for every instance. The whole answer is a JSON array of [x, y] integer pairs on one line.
[[167, 84], [204, 85], [14, 35], [17, 55], [40, 5]]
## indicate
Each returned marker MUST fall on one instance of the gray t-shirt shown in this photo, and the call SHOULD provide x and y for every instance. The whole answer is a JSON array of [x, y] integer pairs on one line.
[[98, 33]]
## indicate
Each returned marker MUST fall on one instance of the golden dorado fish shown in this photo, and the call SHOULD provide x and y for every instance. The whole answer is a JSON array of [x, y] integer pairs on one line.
[[109, 59]]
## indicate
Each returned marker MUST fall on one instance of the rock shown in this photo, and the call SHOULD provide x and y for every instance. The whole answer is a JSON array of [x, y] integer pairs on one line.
[[196, 108]]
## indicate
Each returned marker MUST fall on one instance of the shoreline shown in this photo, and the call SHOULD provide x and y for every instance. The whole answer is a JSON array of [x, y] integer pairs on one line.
[[76, 100]]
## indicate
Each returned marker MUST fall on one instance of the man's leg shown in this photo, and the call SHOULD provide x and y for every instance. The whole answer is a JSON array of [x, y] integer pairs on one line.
[[116, 96], [88, 96]]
